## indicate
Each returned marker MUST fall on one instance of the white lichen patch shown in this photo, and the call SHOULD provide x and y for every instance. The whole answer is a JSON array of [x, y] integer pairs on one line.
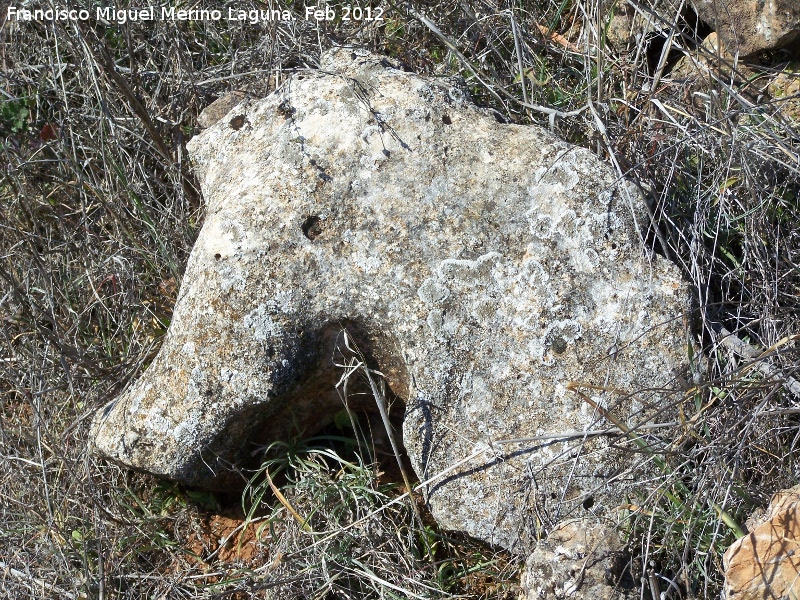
[[185, 432], [432, 291], [136, 399], [232, 277], [156, 422], [469, 272], [261, 325]]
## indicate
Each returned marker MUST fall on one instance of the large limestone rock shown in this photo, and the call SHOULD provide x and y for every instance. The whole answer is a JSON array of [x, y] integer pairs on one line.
[[480, 266], [750, 26]]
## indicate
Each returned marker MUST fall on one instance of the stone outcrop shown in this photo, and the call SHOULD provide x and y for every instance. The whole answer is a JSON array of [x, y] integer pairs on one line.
[[765, 563], [751, 26], [481, 266], [579, 559]]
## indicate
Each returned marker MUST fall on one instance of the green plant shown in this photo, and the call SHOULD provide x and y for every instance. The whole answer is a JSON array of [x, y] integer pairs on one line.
[[14, 115], [335, 529]]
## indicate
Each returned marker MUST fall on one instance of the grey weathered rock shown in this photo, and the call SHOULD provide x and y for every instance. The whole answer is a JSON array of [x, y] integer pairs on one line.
[[746, 27], [481, 266], [578, 559], [750, 26]]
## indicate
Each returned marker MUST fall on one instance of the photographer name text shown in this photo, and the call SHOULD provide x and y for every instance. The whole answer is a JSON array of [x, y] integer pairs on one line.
[[164, 13]]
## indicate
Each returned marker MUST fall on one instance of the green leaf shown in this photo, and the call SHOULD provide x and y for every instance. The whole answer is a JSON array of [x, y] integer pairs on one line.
[[207, 500]]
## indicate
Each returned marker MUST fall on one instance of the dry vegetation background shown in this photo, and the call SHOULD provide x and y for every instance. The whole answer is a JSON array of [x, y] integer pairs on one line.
[[99, 210]]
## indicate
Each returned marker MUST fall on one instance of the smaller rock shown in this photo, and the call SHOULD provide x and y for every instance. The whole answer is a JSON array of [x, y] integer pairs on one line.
[[620, 29], [785, 92], [578, 559], [219, 108], [713, 61], [710, 57], [752, 27], [765, 563], [627, 25]]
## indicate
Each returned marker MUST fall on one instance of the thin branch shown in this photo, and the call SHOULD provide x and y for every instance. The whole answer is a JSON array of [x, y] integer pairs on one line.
[[760, 360]]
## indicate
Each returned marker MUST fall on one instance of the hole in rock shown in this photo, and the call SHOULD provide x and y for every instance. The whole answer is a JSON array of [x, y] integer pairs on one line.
[[312, 227], [323, 506], [336, 379], [323, 391], [691, 33], [446, 120], [237, 122], [790, 52], [285, 109], [588, 503]]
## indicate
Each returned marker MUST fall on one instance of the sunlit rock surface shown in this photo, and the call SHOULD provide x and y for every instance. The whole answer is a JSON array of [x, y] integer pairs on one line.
[[750, 27], [765, 563], [481, 267], [579, 559]]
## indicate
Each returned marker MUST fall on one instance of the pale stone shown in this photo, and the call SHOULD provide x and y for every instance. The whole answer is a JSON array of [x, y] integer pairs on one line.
[[705, 63], [765, 563], [579, 559], [481, 267]]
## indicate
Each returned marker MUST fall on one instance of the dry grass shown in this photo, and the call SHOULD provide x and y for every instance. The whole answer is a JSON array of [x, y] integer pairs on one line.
[[99, 211]]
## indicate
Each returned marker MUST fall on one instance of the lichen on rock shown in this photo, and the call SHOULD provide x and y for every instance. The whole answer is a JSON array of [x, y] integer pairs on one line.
[[483, 266], [579, 559], [747, 28]]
